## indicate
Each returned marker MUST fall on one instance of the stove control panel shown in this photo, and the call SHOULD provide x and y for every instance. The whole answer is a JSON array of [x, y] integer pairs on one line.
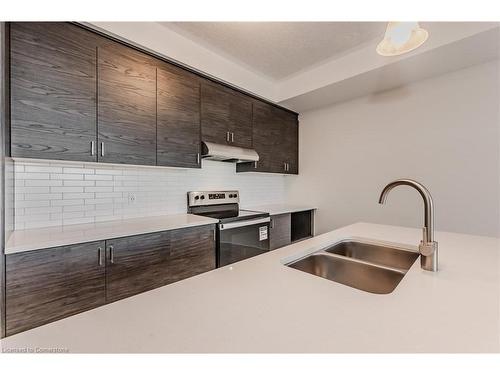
[[207, 198]]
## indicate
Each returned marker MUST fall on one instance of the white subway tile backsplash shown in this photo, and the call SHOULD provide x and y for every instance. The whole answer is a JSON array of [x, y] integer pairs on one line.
[[66, 189], [42, 168], [55, 193], [98, 177], [78, 183], [79, 170], [64, 176], [67, 202], [28, 182]]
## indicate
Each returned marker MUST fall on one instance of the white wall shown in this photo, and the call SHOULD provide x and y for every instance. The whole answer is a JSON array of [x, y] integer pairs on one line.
[[50, 193], [443, 132]]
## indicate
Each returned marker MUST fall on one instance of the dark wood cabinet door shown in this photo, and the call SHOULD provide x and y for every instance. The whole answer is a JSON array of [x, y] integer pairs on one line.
[[43, 286], [275, 138], [290, 151], [126, 105], [267, 140], [140, 263], [280, 231], [136, 264], [53, 91], [192, 251], [224, 111], [178, 118]]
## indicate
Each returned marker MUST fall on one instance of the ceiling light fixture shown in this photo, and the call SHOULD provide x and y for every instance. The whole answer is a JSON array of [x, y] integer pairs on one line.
[[401, 37]]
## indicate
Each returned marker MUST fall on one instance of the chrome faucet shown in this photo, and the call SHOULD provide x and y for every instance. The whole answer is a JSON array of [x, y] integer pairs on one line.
[[428, 248]]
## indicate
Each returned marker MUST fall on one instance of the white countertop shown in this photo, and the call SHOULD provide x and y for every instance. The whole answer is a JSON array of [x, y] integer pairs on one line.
[[278, 209], [260, 305], [34, 239]]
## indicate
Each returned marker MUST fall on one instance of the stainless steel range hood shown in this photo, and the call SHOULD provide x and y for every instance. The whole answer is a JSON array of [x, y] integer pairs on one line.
[[232, 154]]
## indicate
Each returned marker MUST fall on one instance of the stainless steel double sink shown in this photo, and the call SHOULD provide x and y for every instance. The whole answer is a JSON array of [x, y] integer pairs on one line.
[[361, 265]]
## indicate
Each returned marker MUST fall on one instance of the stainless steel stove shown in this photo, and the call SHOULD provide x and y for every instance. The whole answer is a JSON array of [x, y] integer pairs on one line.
[[241, 234]]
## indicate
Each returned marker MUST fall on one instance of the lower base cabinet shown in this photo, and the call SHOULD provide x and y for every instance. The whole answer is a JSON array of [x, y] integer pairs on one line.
[[144, 262], [46, 285]]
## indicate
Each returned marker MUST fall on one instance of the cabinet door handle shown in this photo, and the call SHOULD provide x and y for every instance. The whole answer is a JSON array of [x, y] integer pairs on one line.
[[198, 158], [92, 148], [99, 252], [227, 136], [255, 164], [112, 254], [284, 166], [102, 148], [271, 224], [232, 137]]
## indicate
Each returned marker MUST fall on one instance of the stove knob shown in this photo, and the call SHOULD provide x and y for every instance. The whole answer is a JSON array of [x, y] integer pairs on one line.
[[235, 195], [202, 197], [230, 195], [196, 198]]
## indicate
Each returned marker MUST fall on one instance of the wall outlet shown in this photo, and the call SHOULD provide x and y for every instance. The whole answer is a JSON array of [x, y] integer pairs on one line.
[[131, 198]]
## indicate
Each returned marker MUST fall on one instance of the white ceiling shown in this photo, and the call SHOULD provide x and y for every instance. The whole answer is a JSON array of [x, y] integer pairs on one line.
[[279, 49], [309, 65]]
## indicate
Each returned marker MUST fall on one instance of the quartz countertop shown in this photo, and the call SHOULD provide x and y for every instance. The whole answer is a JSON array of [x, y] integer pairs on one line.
[[278, 209], [260, 305], [40, 238]]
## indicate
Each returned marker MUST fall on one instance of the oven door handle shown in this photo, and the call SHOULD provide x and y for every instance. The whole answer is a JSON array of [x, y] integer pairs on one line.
[[238, 224]]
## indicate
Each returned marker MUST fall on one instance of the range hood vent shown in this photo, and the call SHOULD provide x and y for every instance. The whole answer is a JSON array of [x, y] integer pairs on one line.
[[231, 154]]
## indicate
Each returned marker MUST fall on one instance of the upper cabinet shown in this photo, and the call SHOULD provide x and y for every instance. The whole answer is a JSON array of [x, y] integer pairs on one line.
[[178, 117], [226, 115], [275, 138], [53, 91], [126, 119], [77, 95]]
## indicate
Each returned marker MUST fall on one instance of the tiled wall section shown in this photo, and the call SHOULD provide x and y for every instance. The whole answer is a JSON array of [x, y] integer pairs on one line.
[[51, 193], [9, 197]]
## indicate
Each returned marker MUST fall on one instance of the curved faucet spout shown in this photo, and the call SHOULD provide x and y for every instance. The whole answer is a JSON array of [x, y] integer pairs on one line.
[[426, 196], [428, 247]]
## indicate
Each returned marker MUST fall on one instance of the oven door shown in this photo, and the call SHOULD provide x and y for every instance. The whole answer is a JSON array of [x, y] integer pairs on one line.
[[241, 240]]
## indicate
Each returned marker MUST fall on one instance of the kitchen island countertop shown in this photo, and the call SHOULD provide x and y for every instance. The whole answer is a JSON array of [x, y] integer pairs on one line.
[[260, 305]]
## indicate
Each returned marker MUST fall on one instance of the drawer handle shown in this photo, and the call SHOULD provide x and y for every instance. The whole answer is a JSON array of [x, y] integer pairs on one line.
[[112, 254]]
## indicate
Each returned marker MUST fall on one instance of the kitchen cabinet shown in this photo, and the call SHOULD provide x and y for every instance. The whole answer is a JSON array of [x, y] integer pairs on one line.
[[53, 91], [275, 138], [139, 263], [280, 231], [126, 119], [178, 117], [192, 251], [136, 264], [49, 284], [46, 285], [78, 95], [226, 115]]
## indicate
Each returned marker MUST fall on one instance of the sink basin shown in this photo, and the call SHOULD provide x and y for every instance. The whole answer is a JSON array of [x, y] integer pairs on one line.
[[372, 268], [375, 254]]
